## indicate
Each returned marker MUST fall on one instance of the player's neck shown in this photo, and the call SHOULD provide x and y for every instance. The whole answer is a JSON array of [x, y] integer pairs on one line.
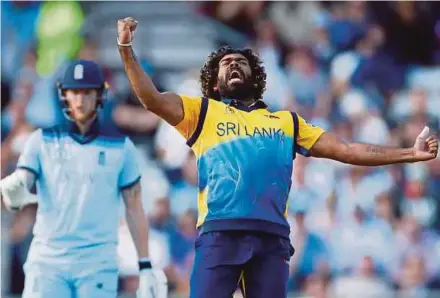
[[84, 127], [246, 102]]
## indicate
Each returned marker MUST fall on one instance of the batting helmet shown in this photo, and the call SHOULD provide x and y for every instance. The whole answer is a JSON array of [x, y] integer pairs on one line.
[[82, 74]]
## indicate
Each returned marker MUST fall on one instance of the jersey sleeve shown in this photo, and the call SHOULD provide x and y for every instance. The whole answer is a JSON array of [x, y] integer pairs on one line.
[[191, 111], [129, 174], [308, 134], [30, 157]]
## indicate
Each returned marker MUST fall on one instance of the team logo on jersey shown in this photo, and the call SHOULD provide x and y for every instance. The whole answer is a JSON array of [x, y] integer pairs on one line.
[[61, 151], [229, 110], [237, 129], [101, 158]]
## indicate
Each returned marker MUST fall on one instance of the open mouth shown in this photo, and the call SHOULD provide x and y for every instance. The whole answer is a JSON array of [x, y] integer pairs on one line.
[[235, 76]]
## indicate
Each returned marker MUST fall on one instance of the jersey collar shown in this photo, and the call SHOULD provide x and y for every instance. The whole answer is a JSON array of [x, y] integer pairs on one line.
[[88, 137], [239, 105]]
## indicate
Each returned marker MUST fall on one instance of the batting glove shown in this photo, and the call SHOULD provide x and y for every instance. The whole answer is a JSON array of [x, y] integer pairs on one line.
[[152, 282], [14, 191]]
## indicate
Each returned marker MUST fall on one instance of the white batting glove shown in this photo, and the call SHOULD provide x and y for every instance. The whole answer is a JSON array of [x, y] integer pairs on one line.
[[153, 283], [15, 192]]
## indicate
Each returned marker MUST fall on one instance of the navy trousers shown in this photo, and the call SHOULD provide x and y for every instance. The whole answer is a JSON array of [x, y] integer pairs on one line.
[[257, 262]]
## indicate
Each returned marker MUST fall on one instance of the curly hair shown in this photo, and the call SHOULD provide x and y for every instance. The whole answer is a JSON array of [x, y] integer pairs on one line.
[[209, 71]]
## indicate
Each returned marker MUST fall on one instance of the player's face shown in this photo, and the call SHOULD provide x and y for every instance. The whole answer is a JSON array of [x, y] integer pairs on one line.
[[235, 77], [82, 103]]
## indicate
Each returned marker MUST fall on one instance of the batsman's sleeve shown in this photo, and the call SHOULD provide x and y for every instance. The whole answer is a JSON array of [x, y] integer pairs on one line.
[[191, 112], [30, 156], [130, 174], [308, 134]]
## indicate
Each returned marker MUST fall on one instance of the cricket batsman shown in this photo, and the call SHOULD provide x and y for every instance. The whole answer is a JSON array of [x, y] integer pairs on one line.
[[245, 157], [81, 170]]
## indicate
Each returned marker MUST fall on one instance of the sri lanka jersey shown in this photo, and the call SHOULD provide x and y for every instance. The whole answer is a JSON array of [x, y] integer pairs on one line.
[[245, 160]]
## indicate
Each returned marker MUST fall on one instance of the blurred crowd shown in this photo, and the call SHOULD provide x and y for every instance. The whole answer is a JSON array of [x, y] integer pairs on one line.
[[367, 71]]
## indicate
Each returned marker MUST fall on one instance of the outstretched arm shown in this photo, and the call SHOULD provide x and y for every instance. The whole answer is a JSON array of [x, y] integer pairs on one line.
[[167, 105], [332, 147]]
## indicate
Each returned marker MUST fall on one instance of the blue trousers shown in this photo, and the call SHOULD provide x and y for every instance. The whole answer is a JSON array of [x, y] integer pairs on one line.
[[257, 262]]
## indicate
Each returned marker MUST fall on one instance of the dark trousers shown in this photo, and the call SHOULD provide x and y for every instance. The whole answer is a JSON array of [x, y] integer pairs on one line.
[[257, 262]]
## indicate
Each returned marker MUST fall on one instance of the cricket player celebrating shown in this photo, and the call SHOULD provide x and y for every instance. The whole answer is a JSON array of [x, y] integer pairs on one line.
[[244, 157], [80, 170]]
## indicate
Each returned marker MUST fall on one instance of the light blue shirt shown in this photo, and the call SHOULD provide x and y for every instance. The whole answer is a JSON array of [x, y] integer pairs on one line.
[[79, 182]]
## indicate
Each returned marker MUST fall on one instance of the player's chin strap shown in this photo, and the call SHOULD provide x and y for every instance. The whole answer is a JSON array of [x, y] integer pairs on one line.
[[66, 113]]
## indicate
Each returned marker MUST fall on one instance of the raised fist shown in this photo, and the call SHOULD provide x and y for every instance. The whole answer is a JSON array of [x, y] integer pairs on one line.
[[126, 29]]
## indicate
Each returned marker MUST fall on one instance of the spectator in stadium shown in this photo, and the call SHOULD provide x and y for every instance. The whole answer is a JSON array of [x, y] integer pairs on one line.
[[363, 283], [316, 286], [385, 209], [414, 239], [19, 19], [412, 280], [269, 47], [308, 83], [311, 252]]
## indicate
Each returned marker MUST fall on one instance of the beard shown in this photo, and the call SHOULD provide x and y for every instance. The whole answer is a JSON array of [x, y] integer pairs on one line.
[[238, 90]]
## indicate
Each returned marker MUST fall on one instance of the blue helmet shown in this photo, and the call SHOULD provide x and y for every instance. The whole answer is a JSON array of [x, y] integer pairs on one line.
[[82, 74]]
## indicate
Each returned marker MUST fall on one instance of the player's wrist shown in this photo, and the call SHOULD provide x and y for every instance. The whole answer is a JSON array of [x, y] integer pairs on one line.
[[124, 44], [410, 155], [144, 264]]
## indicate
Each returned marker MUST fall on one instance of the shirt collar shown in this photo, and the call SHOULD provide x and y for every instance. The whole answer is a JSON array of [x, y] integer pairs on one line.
[[259, 104], [86, 138]]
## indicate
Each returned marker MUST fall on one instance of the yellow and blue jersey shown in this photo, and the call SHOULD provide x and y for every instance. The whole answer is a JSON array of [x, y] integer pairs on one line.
[[245, 160]]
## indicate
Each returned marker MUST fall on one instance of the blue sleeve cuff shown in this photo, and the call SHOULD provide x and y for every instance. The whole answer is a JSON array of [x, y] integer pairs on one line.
[[29, 169], [130, 184], [303, 151]]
